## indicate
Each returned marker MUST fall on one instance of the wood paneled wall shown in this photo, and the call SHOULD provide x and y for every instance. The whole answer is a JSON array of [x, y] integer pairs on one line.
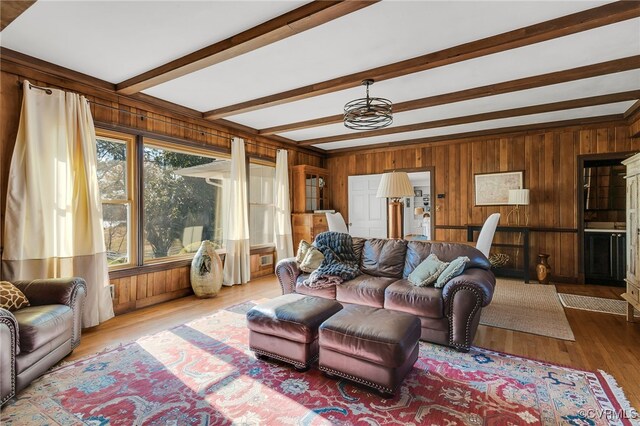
[[143, 289], [549, 160]]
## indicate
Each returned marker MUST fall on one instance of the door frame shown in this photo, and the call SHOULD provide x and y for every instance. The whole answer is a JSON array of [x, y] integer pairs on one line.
[[580, 199], [432, 191]]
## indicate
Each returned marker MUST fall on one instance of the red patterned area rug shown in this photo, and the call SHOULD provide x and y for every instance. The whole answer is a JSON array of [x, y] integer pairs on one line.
[[202, 373]]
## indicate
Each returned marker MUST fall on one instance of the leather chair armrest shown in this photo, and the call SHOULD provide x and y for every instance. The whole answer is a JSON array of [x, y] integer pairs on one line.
[[483, 281], [49, 291], [64, 291], [10, 348], [287, 272]]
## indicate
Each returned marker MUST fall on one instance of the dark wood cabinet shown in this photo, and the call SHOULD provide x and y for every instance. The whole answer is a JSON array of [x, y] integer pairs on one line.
[[310, 191], [605, 257]]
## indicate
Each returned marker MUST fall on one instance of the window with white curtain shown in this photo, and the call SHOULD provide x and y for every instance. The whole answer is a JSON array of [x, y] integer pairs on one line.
[[261, 208]]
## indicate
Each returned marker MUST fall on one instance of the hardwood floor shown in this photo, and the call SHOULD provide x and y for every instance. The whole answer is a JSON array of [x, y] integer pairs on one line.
[[603, 341]]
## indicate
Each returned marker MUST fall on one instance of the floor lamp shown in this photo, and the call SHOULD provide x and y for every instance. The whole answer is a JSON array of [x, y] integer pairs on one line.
[[395, 186]]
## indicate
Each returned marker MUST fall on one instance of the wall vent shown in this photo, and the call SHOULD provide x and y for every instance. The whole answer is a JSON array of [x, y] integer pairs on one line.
[[267, 259]]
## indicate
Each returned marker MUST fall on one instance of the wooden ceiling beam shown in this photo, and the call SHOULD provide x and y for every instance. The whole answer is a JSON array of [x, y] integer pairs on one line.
[[485, 116], [588, 71], [559, 27], [498, 133], [10, 10], [294, 22]]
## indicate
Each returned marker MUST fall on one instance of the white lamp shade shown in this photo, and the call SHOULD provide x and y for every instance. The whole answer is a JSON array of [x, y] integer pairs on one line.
[[395, 185], [519, 197]]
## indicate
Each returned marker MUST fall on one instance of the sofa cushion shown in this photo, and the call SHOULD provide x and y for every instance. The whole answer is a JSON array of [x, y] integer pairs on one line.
[[455, 268], [364, 290], [422, 301], [327, 292], [428, 271], [384, 257], [39, 325], [417, 251]]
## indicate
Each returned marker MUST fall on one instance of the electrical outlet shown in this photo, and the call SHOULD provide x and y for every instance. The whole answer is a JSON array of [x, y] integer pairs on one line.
[[112, 291]]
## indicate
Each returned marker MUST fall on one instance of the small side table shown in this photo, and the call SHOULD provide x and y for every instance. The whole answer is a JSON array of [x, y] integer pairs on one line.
[[523, 273]]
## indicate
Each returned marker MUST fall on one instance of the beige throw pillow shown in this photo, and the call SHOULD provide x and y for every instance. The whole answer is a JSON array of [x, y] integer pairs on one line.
[[312, 260], [11, 297], [303, 247]]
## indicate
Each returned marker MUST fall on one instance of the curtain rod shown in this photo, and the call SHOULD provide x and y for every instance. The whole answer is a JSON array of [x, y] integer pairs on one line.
[[142, 117]]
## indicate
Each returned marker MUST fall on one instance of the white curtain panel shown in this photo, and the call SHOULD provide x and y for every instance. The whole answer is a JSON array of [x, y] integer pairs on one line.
[[237, 262], [53, 225], [282, 219]]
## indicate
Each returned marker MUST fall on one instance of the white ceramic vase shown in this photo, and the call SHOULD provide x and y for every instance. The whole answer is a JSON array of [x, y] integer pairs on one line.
[[206, 271]]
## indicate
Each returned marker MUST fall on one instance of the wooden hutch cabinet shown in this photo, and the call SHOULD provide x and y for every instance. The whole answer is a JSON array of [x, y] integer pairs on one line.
[[632, 296], [310, 192]]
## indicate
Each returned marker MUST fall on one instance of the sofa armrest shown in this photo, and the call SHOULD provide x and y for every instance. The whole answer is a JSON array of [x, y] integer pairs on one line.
[[482, 280], [63, 291], [10, 348], [464, 297], [287, 272]]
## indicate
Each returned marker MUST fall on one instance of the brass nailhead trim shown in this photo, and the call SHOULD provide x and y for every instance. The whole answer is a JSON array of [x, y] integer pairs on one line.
[[466, 345], [11, 325], [356, 379], [295, 363]]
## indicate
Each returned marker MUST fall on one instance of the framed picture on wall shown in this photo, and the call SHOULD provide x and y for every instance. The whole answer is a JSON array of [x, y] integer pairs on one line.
[[492, 189], [417, 192]]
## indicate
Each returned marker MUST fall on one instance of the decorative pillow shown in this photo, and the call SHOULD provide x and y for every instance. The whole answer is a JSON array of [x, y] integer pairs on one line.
[[455, 268], [303, 247], [428, 271], [312, 260], [11, 297]]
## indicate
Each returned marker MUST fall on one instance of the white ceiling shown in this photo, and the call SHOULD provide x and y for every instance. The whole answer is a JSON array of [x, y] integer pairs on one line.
[[117, 40]]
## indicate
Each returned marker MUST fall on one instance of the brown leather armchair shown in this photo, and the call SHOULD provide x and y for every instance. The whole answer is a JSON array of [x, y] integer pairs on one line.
[[36, 337]]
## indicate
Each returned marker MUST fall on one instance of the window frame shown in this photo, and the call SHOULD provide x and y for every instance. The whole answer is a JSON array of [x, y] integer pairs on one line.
[[135, 140], [175, 147], [261, 162], [130, 186]]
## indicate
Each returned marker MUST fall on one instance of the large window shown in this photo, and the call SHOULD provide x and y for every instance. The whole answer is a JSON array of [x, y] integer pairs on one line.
[[261, 207], [115, 179], [180, 199], [179, 210]]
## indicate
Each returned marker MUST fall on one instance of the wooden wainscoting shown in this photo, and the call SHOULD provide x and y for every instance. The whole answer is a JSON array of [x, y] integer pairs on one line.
[[144, 289], [549, 159]]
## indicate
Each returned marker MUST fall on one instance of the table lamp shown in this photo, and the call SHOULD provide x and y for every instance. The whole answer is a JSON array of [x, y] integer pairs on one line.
[[517, 198]]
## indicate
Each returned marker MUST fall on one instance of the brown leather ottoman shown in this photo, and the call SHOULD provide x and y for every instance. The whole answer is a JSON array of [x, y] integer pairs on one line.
[[286, 328], [371, 346]]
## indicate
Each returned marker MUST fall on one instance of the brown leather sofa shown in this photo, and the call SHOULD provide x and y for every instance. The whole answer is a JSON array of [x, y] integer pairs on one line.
[[448, 316], [36, 337]]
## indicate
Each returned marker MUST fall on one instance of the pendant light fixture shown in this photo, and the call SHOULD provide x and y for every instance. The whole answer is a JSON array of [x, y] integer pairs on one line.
[[368, 113]]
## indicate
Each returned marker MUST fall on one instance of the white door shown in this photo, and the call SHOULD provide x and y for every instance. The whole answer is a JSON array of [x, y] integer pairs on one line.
[[367, 213]]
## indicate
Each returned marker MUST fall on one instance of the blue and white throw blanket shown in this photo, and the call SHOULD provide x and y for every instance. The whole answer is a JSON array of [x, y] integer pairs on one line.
[[340, 262]]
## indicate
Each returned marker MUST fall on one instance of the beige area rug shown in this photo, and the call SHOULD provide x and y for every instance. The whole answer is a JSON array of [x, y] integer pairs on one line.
[[531, 308], [595, 304]]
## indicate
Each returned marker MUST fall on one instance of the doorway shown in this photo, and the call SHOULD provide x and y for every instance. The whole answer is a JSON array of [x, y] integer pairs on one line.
[[602, 219], [368, 214]]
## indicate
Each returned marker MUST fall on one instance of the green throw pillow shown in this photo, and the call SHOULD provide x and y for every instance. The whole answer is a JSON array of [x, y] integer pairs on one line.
[[455, 268], [312, 260], [427, 272], [303, 247]]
